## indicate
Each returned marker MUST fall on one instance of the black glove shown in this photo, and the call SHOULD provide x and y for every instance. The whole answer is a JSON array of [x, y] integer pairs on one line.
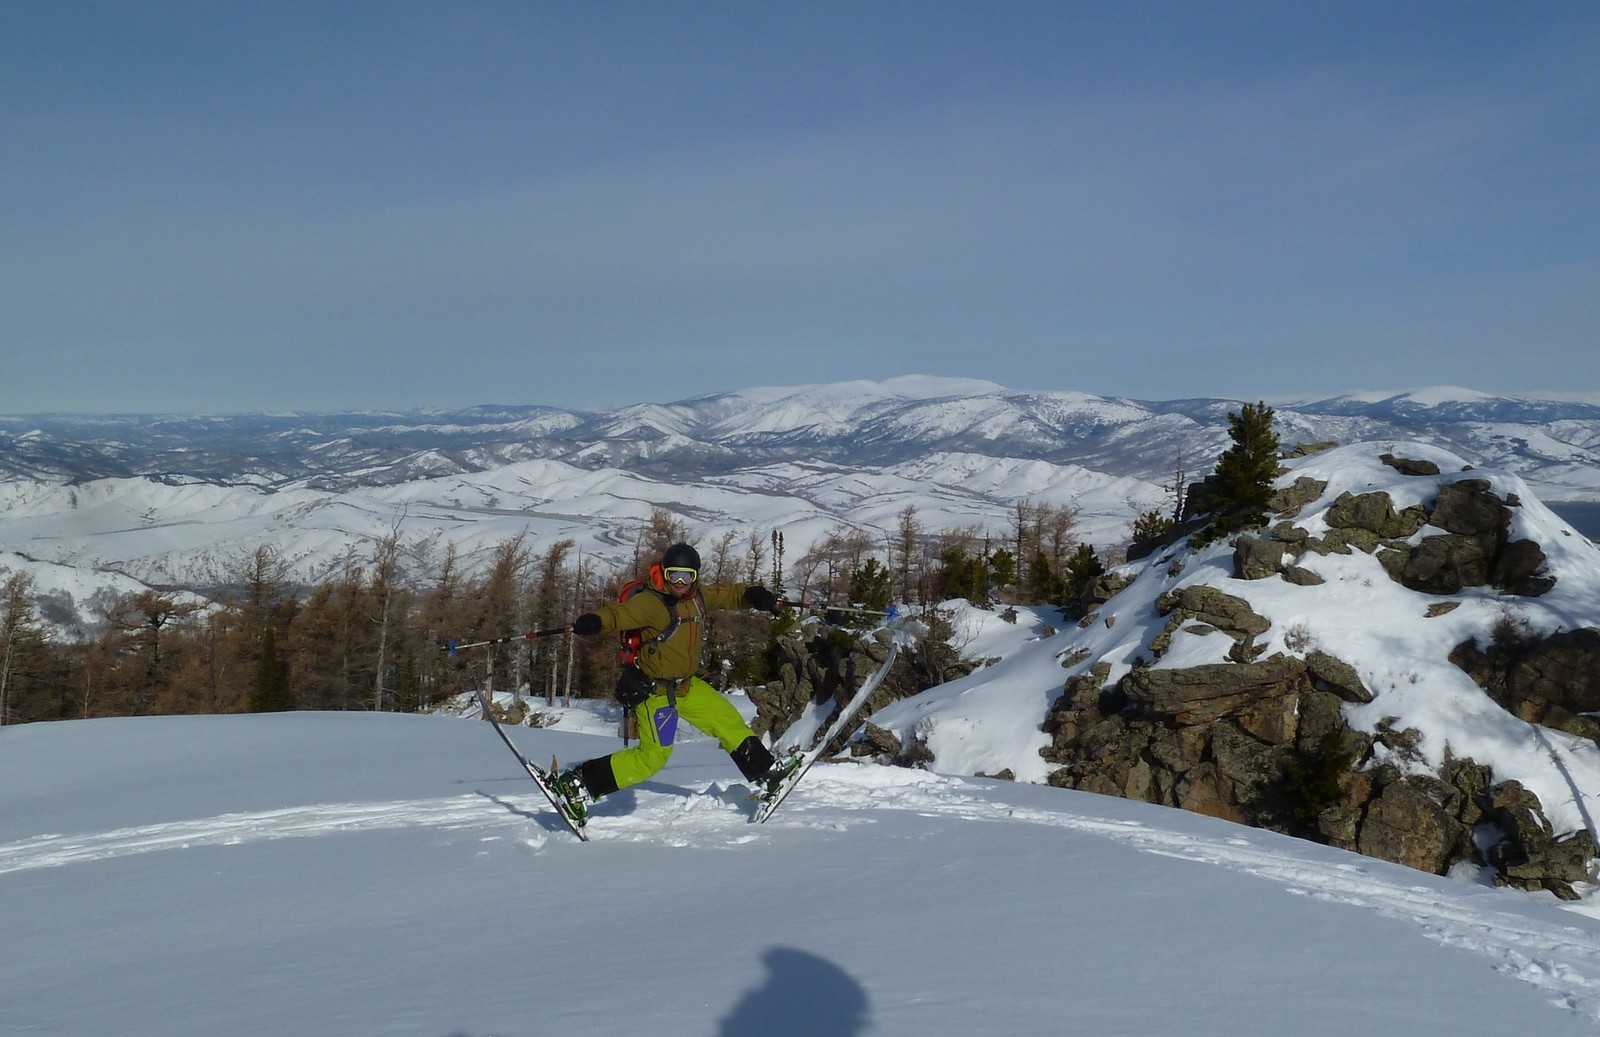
[[633, 687], [586, 624], [761, 598]]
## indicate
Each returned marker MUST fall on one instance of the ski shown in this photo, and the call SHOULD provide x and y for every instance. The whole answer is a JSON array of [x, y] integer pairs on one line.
[[540, 776], [770, 804]]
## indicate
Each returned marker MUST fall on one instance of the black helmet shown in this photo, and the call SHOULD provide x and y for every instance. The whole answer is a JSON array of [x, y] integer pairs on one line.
[[680, 556]]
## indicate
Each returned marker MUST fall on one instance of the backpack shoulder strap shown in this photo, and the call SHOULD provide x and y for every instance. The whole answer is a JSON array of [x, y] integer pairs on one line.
[[672, 615]]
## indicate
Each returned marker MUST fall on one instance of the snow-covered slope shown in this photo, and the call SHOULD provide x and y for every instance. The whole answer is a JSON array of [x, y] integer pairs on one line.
[[198, 534], [356, 874], [989, 721]]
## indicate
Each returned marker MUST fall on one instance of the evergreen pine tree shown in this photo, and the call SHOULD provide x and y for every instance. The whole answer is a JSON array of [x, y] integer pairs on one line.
[[1042, 583], [871, 585], [1003, 567], [1150, 526], [961, 575], [1245, 472], [1083, 569]]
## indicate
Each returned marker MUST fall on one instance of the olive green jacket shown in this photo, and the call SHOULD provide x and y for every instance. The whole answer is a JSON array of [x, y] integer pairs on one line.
[[678, 657]]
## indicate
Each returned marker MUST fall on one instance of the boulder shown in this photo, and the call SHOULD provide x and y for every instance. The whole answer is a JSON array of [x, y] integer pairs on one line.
[[1552, 680], [1445, 564], [1265, 692], [1407, 823], [1409, 466], [1529, 855], [1469, 507], [1374, 513], [1338, 676], [1255, 558], [1265, 742], [1301, 577], [1291, 499], [1217, 608], [1519, 568], [876, 741]]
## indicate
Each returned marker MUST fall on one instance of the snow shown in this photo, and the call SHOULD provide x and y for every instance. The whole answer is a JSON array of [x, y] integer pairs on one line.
[[1425, 396], [377, 873], [356, 874], [1434, 396], [862, 392]]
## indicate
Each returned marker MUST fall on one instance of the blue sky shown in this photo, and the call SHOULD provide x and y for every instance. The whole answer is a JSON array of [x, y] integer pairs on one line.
[[218, 207]]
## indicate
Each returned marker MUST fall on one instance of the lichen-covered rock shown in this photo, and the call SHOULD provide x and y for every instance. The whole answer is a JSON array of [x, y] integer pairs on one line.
[[1530, 856], [1215, 607], [1288, 501], [1409, 825], [1469, 507], [1409, 466], [1552, 680], [1202, 694], [1338, 675], [1255, 558], [1519, 568]]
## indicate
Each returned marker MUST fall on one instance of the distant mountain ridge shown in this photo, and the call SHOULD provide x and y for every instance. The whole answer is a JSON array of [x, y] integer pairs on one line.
[[179, 500], [1552, 443]]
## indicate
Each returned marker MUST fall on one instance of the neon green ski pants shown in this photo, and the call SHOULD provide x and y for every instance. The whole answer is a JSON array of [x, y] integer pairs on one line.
[[698, 703]]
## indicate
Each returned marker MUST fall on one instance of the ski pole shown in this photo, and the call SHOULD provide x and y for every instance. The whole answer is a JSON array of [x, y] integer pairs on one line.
[[889, 613], [453, 646]]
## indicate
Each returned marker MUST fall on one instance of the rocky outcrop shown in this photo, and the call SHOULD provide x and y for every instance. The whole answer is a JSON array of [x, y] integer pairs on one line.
[[1472, 549], [1333, 674], [1265, 744], [1553, 681], [1219, 740], [1211, 609], [1528, 855], [1263, 741], [817, 663]]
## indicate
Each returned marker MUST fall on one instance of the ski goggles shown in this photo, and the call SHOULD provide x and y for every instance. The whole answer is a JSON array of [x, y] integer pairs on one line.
[[682, 577]]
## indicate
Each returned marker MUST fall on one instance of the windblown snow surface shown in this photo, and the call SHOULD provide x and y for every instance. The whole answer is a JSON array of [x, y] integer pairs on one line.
[[360, 874]]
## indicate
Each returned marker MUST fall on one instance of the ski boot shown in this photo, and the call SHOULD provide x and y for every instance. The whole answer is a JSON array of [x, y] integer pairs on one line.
[[770, 783], [575, 797]]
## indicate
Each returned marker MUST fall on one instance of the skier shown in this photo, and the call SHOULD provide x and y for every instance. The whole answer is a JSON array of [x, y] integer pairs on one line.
[[661, 685]]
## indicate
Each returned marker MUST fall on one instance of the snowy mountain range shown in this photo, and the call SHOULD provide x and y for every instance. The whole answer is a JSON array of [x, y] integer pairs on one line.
[[178, 500]]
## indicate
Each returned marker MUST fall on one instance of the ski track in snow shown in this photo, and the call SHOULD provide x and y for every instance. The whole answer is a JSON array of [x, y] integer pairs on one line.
[[1563, 961], [51, 851]]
